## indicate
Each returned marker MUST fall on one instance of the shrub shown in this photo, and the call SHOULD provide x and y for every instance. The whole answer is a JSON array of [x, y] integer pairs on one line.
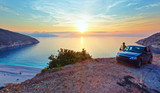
[[66, 57], [38, 73], [44, 70]]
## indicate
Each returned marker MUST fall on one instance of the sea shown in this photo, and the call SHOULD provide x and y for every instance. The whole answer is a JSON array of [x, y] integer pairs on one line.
[[37, 55]]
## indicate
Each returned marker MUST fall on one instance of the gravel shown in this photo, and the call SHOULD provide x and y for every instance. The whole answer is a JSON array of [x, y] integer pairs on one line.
[[103, 75]]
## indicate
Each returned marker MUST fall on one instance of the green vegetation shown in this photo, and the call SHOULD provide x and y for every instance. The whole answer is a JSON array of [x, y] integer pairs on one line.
[[66, 57], [43, 70]]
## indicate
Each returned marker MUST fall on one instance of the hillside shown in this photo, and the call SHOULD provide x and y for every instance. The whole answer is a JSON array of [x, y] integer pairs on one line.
[[9, 39], [91, 76], [152, 41]]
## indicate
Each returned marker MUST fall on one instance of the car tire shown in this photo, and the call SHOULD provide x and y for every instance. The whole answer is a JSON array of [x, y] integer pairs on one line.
[[139, 64], [150, 61], [117, 61]]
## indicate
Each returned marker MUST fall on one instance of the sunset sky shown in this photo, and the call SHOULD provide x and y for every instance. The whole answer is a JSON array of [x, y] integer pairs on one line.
[[133, 16]]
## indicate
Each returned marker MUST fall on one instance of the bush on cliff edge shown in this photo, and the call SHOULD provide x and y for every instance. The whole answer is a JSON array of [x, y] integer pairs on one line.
[[66, 57]]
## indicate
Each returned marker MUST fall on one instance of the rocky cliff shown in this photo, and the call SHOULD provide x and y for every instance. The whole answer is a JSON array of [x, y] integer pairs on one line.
[[9, 39], [152, 41]]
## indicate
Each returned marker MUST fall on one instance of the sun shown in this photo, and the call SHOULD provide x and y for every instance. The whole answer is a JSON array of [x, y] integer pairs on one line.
[[81, 26]]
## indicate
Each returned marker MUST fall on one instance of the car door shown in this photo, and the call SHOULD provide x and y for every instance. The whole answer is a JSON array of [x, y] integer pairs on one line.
[[149, 54], [145, 55]]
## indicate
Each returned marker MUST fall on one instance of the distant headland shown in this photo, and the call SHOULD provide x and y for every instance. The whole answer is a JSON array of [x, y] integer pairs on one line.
[[152, 41], [10, 39]]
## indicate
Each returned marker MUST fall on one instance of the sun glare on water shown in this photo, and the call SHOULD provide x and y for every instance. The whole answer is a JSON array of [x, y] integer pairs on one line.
[[81, 26]]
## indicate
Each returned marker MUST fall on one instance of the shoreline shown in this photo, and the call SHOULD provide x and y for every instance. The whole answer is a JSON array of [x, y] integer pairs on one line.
[[83, 75], [16, 74]]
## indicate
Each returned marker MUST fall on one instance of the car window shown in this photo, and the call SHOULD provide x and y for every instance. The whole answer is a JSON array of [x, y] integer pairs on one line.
[[145, 49], [135, 49]]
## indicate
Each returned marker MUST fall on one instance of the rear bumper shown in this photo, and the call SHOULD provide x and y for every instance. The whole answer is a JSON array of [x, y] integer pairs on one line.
[[127, 60]]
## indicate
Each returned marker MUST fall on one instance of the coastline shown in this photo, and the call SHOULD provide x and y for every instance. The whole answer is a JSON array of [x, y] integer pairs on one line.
[[89, 75], [17, 45], [10, 39], [16, 74]]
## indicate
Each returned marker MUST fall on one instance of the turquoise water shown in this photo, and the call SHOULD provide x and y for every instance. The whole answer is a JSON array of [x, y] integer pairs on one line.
[[37, 55]]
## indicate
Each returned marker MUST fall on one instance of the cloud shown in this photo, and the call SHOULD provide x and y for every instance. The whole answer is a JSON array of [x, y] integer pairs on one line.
[[131, 4], [67, 12], [148, 6], [115, 4], [98, 33], [61, 10], [5, 9], [97, 13], [2, 8]]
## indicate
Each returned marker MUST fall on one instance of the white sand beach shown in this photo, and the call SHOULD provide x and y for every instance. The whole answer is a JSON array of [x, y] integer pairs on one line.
[[16, 74]]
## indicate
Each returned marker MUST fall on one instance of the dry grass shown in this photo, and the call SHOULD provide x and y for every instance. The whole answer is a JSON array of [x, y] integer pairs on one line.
[[157, 56]]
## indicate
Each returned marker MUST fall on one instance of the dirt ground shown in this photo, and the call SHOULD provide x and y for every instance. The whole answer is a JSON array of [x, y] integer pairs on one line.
[[103, 75]]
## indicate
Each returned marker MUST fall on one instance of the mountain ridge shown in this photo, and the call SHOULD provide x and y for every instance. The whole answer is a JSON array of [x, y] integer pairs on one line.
[[10, 39], [152, 41]]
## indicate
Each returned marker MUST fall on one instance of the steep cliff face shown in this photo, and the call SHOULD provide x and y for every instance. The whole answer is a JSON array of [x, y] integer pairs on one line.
[[9, 39], [152, 41]]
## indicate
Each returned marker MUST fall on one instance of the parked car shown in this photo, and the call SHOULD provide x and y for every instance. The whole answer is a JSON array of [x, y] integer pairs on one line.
[[136, 55]]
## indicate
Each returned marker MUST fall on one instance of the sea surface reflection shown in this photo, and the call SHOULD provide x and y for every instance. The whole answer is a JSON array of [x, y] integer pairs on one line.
[[37, 55]]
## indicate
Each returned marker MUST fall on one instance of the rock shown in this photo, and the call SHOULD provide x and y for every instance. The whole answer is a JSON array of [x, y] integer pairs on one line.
[[152, 41], [9, 39]]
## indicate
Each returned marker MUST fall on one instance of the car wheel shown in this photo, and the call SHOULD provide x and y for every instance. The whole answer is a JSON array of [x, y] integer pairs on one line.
[[117, 61], [139, 64], [150, 61]]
